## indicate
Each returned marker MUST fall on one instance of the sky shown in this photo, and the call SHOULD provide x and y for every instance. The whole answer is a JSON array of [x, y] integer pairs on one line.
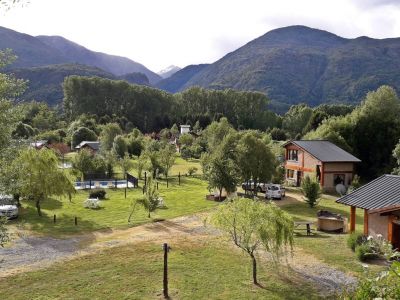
[[159, 33]]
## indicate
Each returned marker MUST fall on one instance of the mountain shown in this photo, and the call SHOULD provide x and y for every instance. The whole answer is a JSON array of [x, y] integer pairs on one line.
[[114, 64], [31, 51], [301, 64], [51, 50], [175, 82], [169, 71], [137, 78], [45, 83]]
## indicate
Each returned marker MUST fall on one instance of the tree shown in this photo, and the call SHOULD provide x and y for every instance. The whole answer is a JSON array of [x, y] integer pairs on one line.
[[220, 167], [311, 191], [376, 119], [40, 177], [296, 119], [197, 128], [174, 130], [108, 134], [120, 146], [255, 159], [83, 163], [150, 201], [167, 159], [83, 134], [141, 164], [186, 139], [253, 225], [216, 132], [125, 163]]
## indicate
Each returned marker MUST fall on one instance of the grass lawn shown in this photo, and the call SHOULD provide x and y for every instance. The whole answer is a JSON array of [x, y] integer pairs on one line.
[[197, 270], [330, 248], [184, 199]]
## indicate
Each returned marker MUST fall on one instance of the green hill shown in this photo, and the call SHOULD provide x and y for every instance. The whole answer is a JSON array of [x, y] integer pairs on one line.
[[176, 81], [300, 64]]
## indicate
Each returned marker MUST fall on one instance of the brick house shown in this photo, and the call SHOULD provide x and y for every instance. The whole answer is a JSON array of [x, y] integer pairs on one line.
[[380, 200], [330, 164]]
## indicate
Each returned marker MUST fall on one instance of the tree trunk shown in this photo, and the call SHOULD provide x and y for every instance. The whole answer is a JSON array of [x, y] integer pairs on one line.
[[38, 207], [220, 194], [254, 268], [167, 179]]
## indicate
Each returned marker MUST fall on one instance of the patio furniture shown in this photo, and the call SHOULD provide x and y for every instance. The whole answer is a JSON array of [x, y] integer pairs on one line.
[[307, 225]]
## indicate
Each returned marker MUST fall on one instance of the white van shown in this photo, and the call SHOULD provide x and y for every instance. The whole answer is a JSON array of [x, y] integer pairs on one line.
[[275, 191]]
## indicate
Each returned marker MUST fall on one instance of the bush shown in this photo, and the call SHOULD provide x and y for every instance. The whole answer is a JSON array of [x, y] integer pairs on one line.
[[192, 171], [98, 193], [92, 204], [355, 239], [364, 252], [311, 191]]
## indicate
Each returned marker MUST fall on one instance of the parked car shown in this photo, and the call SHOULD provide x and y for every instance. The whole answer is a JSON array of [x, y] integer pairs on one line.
[[8, 208], [249, 186], [275, 191]]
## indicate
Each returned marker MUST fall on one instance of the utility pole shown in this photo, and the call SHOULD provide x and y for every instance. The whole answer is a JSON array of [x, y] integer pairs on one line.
[[166, 249]]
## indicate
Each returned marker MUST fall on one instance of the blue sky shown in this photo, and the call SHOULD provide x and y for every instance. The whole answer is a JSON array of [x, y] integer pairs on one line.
[[159, 33]]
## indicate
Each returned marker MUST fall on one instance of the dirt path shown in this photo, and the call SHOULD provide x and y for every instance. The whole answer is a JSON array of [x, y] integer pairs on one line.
[[30, 253]]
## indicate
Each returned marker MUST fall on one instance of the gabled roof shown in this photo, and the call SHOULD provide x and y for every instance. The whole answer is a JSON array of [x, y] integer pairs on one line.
[[382, 192], [324, 151], [93, 145]]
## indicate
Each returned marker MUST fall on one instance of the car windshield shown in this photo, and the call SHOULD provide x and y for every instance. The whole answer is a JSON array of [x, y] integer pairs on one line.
[[6, 200], [274, 188]]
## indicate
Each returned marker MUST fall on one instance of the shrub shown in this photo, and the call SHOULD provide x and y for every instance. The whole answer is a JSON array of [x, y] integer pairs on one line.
[[98, 193], [364, 252], [311, 191], [92, 204], [355, 239], [192, 171]]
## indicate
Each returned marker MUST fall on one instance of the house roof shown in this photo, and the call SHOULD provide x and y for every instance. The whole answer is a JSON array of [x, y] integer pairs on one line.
[[39, 143], [93, 145], [382, 192], [325, 151]]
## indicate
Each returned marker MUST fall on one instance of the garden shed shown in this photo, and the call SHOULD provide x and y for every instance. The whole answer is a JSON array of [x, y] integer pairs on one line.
[[380, 200]]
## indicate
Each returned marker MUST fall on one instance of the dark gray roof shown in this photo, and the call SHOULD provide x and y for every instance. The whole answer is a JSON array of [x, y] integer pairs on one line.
[[381, 192], [93, 145], [325, 151]]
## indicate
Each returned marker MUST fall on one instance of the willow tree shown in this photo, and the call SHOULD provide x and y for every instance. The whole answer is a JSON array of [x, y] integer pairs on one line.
[[40, 177], [253, 226]]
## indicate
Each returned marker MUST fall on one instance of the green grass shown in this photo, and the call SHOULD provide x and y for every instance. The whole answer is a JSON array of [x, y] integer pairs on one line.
[[330, 248], [184, 199], [197, 270]]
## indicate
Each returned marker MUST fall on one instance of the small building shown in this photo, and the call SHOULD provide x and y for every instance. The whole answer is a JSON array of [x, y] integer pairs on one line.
[[330, 164], [93, 147], [185, 129], [380, 200]]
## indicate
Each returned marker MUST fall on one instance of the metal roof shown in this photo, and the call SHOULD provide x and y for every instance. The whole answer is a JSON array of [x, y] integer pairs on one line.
[[381, 192], [93, 145], [325, 151]]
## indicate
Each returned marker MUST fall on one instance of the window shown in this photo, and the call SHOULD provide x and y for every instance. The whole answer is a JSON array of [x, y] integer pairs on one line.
[[338, 179], [289, 173], [293, 155]]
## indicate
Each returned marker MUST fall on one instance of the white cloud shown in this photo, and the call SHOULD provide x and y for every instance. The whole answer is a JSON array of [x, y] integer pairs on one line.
[[158, 33]]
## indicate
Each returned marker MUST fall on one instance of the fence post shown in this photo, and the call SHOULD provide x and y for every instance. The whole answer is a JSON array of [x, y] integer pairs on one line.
[[125, 193], [76, 221], [179, 178], [90, 184], [54, 219], [166, 249], [145, 178]]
